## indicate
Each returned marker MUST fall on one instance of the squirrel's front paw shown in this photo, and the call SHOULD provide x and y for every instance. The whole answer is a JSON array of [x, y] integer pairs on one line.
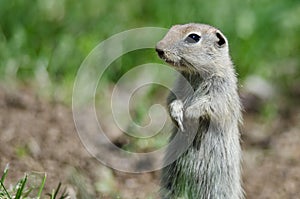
[[176, 112]]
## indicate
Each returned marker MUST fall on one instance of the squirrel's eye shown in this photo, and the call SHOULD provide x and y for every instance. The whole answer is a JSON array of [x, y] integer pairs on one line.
[[192, 38]]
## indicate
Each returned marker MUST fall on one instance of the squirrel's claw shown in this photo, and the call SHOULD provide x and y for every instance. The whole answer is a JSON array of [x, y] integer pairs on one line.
[[180, 125]]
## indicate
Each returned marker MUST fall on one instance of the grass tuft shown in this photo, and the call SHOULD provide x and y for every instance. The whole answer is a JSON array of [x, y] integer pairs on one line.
[[22, 190]]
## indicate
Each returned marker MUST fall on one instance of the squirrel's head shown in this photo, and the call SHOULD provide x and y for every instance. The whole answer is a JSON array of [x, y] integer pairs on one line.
[[195, 48]]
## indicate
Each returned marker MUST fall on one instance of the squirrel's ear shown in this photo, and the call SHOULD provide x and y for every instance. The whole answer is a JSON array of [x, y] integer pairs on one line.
[[221, 42]]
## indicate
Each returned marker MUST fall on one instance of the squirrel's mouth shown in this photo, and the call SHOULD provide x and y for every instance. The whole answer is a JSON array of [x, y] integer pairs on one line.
[[169, 61], [176, 64], [169, 58]]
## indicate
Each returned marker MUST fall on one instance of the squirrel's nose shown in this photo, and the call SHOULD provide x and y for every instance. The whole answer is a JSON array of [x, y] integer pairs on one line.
[[160, 52]]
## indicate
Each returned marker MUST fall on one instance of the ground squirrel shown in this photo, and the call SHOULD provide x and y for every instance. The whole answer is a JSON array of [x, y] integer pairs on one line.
[[210, 167]]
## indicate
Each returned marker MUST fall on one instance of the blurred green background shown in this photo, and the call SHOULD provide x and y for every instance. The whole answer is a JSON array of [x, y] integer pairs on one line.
[[43, 42]]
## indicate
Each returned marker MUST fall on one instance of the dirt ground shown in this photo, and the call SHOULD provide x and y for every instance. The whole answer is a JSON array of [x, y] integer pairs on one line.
[[36, 135]]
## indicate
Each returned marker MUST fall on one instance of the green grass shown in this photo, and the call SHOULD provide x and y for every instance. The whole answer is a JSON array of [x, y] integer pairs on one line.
[[22, 189], [46, 41]]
